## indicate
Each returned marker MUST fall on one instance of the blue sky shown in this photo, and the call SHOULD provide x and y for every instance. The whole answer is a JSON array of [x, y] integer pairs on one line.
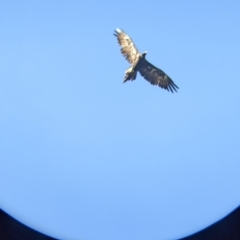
[[84, 156]]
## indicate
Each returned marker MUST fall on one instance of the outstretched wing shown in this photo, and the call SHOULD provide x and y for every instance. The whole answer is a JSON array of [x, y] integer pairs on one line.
[[128, 49], [156, 76]]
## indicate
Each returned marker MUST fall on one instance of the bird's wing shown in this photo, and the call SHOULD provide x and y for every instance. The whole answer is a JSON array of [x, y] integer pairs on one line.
[[156, 76], [128, 49]]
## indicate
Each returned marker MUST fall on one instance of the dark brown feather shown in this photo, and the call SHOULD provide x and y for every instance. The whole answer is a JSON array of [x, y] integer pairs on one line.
[[156, 76]]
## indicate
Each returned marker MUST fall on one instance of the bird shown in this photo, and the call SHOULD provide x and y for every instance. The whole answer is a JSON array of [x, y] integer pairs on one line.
[[139, 64]]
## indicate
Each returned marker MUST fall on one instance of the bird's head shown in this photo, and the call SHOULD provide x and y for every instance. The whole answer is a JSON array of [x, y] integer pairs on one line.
[[144, 54]]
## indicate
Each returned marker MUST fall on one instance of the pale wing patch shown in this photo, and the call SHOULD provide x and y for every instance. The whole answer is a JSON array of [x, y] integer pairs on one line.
[[128, 49]]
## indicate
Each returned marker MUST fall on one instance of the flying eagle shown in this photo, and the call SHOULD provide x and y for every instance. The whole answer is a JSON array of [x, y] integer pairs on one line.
[[138, 63]]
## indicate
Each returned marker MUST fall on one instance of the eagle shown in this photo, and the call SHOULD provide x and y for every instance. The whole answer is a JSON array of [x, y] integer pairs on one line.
[[139, 63]]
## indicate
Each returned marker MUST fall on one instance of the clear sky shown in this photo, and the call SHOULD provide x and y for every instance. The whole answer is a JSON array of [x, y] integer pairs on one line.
[[84, 156]]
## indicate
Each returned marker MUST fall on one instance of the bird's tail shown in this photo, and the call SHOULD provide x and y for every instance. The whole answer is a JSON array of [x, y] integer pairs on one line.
[[130, 75]]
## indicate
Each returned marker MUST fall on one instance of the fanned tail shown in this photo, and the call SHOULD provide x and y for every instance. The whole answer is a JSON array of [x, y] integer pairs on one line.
[[130, 75]]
